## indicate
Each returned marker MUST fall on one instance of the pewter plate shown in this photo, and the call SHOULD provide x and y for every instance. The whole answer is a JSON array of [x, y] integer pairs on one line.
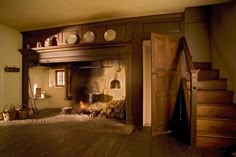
[[110, 35], [89, 37]]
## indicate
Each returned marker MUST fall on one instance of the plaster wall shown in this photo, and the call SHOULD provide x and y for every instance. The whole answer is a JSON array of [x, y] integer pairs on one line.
[[222, 41], [10, 82], [40, 77], [197, 33]]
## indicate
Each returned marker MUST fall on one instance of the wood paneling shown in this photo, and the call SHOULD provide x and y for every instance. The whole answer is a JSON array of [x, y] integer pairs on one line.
[[162, 27], [130, 30]]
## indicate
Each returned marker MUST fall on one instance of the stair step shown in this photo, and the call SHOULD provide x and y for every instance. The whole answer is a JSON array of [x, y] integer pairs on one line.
[[215, 97], [217, 110], [214, 142], [209, 74], [215, 132], [220, 84], [202, 65], [221, 134], [216, 126]]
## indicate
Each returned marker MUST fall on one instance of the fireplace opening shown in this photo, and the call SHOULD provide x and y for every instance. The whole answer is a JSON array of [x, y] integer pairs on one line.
[[98, 89]]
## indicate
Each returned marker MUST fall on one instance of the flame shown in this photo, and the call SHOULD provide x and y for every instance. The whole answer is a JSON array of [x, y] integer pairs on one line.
[[82, 105]]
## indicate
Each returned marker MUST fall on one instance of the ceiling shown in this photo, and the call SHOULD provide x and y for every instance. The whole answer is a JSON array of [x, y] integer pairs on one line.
[[25, 15]]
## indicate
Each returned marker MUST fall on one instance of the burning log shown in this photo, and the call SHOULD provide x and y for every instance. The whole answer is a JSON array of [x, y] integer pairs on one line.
[[112, 109], [83, 109]]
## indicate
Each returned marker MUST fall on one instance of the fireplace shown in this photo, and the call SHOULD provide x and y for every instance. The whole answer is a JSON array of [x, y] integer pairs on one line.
[[98, 88], [95, 74]]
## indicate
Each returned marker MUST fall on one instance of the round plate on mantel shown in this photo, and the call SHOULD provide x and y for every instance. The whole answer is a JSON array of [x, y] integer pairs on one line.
[[110, 35], [89, 37], [72, 39]]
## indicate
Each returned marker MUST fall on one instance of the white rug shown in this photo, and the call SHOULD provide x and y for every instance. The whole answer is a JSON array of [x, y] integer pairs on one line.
[[82, 122]]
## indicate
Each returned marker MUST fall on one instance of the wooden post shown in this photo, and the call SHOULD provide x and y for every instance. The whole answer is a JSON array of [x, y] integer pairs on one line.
[[193, 105]]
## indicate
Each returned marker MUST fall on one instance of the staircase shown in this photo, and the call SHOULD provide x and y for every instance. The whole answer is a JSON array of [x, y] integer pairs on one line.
[[216, 113]]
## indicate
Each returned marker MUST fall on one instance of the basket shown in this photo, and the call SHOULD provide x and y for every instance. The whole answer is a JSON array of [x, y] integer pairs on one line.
[[9, 115], [23, 113]]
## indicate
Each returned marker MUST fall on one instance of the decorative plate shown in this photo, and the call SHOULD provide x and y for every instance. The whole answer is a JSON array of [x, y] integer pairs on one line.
[[72, 39], [110, 35], [89, 37]]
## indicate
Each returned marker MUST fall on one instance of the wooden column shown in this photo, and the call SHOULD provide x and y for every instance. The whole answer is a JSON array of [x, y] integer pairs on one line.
[[193, 108], [29, 57]]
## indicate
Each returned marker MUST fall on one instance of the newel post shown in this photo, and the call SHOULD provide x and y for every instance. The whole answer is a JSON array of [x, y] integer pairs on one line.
[[193, 108]]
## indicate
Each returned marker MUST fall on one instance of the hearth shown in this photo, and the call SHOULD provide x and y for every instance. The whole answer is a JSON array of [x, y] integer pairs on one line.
[[98, 88]]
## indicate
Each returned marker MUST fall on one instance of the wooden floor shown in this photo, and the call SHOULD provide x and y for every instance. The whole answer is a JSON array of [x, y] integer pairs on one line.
[[79, 138]]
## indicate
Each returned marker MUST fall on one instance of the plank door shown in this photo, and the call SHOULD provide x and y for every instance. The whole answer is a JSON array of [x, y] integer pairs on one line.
[[163, 80]]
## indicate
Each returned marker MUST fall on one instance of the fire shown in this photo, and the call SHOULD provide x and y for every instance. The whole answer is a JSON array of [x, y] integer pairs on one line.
[[82, 108], [82, 105]]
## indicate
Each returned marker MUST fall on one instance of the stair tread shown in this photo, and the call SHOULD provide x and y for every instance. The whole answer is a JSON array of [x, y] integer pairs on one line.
[[214, 142], [215, 91], [214, 79], [213, 104], [201, 62], [212, 90], [220, 79], [215, 84], [216, 127], [209, 74], [216, 115], [204, 70], [228, 135], [202, 65], [215, 119], [216, 96]]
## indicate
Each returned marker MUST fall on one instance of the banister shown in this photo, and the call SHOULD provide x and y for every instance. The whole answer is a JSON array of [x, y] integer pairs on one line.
[[191, 98], [185, 47]]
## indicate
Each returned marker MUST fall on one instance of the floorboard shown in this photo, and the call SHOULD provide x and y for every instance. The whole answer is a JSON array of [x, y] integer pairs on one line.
[[75, 137]]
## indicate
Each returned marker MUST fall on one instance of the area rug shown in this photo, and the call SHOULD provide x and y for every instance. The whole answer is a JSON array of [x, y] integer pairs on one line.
[[81, 122]]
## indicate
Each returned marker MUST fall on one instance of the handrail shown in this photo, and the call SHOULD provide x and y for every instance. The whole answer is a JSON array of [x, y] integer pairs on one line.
[[191, 101], [185, 47]]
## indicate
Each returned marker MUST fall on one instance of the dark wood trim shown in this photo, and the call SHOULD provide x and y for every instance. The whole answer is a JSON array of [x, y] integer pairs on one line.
[[128, 46], [29, 57]]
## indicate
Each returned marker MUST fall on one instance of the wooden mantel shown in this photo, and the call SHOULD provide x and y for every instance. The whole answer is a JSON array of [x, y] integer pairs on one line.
[[81, 52]]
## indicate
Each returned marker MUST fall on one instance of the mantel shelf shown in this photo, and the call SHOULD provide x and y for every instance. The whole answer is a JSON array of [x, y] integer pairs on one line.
[[80, 52], [40, 98], [76, 46]]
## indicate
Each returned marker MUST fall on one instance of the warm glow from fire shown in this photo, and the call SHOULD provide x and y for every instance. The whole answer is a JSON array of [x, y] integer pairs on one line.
[[82, 105]]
